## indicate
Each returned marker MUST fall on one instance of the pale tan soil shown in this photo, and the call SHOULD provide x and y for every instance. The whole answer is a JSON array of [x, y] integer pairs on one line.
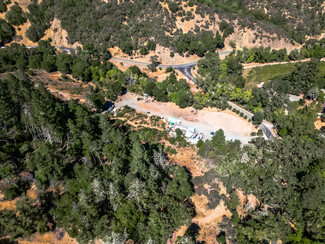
[[140, 122], [61, 89], [187, 26], [162, 52], [21, 33], [244, 199], [189, 158], [319, 124], [48, 238], [32, 192], [243, 38], [223, 190], [246, 38], [205, 120], [59, 35], [159, 74], [180, 232], [208, 219], [9, 205]]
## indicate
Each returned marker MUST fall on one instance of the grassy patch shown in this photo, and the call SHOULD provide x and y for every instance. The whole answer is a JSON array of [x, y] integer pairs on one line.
[[322, 69], [257, 75]]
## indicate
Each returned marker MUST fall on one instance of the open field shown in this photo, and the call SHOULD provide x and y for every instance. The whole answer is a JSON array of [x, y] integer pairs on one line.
[[257, 75]]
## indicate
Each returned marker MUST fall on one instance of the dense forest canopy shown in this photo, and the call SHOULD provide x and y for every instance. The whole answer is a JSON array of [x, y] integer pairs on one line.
[[132, 25], [95, 178], [98, 178]]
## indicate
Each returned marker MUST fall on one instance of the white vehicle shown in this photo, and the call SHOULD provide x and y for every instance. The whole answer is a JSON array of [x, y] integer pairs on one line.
[[174, 121]]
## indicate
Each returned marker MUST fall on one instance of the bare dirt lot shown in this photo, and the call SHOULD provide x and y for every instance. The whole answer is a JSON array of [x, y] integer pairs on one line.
[[207, 120]]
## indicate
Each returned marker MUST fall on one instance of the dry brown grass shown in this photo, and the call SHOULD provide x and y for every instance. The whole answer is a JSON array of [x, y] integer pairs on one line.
[[64, 90], [9, 205], [48, 238]]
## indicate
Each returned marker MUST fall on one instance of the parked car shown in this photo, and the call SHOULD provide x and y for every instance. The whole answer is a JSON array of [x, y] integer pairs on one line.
[[212, 133]]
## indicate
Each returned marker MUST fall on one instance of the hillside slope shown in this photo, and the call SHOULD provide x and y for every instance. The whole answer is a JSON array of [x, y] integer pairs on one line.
[[185, 27]]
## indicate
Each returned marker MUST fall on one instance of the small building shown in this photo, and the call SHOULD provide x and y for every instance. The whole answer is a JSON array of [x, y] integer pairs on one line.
[[174, 121]]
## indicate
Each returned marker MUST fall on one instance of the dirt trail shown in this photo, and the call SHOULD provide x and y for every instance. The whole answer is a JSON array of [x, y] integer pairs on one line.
[[214, 215], [208, 219]]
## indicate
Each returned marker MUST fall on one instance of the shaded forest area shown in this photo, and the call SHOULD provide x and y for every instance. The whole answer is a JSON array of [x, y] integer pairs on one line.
[[285, 175], [95, 178], [99, 179]]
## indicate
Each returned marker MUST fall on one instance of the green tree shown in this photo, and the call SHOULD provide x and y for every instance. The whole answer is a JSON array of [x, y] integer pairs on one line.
[[6, 31], [219, 141], [64, 62], [3, 6], [258, 117], [15, 15], [209, 69], [49, 63], [151, 45]]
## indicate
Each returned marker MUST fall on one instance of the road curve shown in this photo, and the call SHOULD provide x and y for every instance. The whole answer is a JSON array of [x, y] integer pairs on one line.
[[186, 68], [174, 66]]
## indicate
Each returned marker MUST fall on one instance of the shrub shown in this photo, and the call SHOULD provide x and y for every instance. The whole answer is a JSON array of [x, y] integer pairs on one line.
[[172, 140], [3, 7], [169, 69], [258, 117], [173, 7], [6, 30], [260, 132], [15, 16]]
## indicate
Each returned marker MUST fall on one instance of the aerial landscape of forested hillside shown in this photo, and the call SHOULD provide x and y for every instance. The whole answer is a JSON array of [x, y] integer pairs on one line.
[[199, 121]]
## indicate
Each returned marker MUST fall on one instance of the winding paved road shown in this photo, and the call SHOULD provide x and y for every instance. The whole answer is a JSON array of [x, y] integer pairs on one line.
[[186, 69], [174, 66]]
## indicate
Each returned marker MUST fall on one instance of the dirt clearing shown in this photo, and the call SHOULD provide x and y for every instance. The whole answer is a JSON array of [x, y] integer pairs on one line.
[[208, 219], [206, 121]]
